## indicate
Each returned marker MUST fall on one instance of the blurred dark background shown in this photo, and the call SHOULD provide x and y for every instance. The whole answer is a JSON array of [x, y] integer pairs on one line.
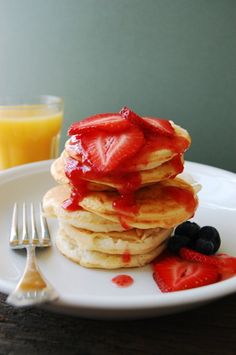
[[166, 58]]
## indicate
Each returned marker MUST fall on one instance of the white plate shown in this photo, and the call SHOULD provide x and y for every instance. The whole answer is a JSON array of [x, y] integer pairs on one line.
[[90, 293]]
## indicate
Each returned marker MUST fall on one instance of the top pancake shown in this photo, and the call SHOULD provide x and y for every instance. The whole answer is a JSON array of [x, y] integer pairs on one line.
[[162, 149], [165, 171]]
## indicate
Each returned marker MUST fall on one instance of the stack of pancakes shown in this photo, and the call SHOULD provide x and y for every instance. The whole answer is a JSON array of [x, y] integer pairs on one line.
[[98, 236]]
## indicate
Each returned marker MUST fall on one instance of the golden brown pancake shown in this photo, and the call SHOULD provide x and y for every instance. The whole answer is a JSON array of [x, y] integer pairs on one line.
[[145, 159], [94, 259], [165, 204], [117, 242], [165, 171], [52, 202]]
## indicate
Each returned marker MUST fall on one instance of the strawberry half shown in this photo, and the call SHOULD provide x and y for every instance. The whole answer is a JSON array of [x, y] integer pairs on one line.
[[155, 125], [174, 274], [105, 151], [226, 264], [109, 122]]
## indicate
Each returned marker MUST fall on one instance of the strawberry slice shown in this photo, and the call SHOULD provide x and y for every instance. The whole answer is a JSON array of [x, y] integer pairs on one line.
[[174, 274], [105, 151], [194, 256], [155, 125], [159, 126], [109, 122], [225, 263]]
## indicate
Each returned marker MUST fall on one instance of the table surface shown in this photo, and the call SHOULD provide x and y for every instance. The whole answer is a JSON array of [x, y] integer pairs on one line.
[[207, 330]]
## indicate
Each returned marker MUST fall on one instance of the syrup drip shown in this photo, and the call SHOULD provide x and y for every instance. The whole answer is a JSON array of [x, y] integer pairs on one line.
[[128, 183], [182, 197], [126, 257], [177, 164], [123, 280], [124, 222], [73, 170], [77, 195], [126, 204]]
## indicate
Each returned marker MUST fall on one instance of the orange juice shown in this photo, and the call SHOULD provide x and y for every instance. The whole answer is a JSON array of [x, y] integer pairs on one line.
[[28, 133]]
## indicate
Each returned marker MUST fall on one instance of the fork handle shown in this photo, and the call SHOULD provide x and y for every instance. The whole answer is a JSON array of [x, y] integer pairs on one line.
[[32, 287]]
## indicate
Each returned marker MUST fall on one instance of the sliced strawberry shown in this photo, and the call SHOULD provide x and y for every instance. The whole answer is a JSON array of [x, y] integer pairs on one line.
[[155, 125], [105, 151], [192, 255], [174, 274], [227, 260], [131, 116], [226, 264], [109, 122], [159, 126]]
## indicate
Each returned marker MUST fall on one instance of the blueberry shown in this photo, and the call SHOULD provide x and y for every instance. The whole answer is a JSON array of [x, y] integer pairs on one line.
[[189, 229], [204, 246], [176, 242], [210, 234]]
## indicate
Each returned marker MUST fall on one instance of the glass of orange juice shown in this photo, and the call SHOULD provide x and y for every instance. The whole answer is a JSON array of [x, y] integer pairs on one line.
[[29, 129]]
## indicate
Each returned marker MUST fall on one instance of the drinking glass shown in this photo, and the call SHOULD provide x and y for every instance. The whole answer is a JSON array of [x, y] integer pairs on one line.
[[30, 129]]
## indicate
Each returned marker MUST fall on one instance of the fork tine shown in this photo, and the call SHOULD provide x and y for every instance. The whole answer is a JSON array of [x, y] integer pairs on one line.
[[25, 236], [44, 227], [14, 229], [34, 234]]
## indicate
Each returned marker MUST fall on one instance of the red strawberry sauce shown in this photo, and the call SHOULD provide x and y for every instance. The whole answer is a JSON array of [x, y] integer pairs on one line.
[[126, 257], [126, 203], [125, 174], [181, 196], [123, 280]]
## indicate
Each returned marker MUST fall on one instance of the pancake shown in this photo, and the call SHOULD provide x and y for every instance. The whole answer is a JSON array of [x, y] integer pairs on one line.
[[57, 169], [94, 259], [57, 172], [165, 204], [165, 171], [52, 201], [164, 150], [117, 242]]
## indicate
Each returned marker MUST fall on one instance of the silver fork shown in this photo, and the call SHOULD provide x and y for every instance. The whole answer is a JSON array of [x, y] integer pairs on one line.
[[32, 287]]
